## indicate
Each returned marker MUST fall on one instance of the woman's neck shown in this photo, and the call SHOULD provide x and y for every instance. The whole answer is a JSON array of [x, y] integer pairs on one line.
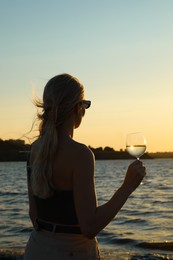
[[66, 130]]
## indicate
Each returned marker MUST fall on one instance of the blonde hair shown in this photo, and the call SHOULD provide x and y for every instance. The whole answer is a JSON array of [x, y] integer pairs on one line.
[[61, 94]]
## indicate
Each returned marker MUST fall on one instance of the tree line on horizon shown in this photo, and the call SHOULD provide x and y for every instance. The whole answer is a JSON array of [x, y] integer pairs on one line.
[[17, 150]]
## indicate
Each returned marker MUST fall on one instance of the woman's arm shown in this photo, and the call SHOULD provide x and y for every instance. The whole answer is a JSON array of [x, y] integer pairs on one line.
[[93, 218]]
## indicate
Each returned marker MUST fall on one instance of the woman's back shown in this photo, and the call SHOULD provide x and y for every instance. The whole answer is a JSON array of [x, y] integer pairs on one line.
[[66, 160], [60, 207]]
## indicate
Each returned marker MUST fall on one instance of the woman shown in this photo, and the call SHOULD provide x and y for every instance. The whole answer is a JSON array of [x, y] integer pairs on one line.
[[62, 200]]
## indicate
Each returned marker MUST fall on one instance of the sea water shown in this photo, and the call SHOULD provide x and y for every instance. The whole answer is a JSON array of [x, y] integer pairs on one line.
[[145, 220]]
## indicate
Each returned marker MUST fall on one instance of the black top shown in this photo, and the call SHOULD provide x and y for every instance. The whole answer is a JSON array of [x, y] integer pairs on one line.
[[58, 208]]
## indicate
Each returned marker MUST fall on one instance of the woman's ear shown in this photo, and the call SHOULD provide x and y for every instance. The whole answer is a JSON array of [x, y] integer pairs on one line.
[[79, 110], [76, 109]]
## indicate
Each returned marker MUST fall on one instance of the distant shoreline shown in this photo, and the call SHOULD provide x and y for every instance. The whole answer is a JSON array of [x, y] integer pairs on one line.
[[17, 150]]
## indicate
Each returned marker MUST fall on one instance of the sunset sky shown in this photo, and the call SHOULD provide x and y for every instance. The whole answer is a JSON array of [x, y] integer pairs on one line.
[[122, 51]]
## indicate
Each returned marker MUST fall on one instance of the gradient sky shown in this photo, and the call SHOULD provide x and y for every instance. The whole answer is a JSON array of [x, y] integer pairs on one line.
[[122, 51]]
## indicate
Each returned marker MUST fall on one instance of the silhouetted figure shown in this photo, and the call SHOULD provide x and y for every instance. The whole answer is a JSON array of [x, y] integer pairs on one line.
[[62, 200]]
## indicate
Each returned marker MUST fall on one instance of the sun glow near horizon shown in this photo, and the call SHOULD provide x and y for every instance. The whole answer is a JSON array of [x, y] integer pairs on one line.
[[97, 132]]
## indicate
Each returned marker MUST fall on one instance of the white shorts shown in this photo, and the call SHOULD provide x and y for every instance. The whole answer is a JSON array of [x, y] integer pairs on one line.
[[48, 246]]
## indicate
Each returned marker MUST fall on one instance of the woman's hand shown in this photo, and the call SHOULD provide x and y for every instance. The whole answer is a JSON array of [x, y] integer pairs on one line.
[[134, 176]]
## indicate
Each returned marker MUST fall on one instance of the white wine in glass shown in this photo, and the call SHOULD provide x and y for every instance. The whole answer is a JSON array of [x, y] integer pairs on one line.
[[136, 144]]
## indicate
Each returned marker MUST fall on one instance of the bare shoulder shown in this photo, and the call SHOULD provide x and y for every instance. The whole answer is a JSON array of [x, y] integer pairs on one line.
[[83, 152], [84, 162]]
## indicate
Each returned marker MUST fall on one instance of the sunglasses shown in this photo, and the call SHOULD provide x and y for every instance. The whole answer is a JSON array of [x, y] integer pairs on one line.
[[85, 103]]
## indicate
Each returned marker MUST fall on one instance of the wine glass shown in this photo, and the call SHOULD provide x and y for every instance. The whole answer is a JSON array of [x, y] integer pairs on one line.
[[136, 144]]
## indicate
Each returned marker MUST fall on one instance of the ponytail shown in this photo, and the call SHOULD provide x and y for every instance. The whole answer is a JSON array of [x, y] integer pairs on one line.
[[42, 167]]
